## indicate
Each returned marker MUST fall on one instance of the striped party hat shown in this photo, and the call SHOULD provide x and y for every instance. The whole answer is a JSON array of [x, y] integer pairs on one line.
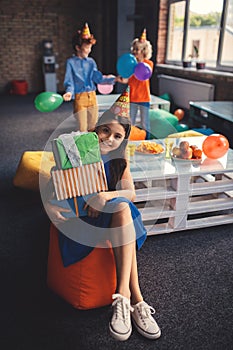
[[121, 106], [86, 32], [143, 36]]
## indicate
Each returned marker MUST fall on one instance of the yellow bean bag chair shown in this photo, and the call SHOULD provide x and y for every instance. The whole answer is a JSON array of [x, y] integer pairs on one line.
[[188, 133], [33, 168]]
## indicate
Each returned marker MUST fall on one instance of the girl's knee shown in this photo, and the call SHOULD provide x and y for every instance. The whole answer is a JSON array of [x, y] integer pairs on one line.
[[122, 209]]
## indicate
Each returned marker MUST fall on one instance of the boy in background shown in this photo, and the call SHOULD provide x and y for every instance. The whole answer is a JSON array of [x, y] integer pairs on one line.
[[81, 78]]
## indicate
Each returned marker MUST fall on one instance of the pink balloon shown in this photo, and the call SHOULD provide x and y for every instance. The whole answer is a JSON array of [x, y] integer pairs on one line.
[[105, 88]]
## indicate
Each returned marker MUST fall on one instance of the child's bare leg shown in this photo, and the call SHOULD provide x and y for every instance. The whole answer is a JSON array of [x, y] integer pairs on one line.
[[136, 295], [123, 240]]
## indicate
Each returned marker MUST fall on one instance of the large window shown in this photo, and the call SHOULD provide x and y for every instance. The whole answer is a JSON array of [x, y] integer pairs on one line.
[[201, 30]]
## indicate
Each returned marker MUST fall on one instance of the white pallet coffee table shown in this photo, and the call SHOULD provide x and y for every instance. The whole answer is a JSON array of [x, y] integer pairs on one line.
[[174, 195]]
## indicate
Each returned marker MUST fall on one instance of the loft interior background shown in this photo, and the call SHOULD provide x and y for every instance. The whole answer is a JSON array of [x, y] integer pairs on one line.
[[25, 24]]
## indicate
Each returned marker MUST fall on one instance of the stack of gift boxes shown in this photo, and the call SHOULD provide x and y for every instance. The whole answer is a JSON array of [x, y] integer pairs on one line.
[[79, 170]]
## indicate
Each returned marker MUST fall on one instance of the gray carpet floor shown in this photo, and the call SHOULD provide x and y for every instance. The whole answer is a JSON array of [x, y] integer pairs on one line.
[[187, 276]]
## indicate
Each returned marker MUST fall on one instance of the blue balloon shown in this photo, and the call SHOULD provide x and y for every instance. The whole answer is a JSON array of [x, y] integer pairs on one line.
[[126, 65]]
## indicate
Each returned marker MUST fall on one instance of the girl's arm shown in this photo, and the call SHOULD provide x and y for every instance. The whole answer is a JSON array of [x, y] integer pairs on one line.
[[68, 82], [54, 211], [121, 80], [125, 189]]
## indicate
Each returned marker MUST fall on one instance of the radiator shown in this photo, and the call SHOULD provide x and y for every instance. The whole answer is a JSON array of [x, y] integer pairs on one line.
[[182, 91]]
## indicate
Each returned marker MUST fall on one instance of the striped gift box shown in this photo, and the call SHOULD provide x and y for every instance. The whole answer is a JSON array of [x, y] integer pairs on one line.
[[80, 181]]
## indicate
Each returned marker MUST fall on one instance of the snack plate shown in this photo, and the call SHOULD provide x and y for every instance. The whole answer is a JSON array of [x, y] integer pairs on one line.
[[158, 154], [150, 154]]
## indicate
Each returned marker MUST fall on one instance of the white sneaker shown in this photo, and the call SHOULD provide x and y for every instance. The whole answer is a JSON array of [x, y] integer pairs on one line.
[[120, 325], [144, 321]]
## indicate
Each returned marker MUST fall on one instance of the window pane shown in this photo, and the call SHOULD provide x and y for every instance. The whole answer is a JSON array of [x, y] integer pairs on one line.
[[227, 53], [176, 31], [204, 30]]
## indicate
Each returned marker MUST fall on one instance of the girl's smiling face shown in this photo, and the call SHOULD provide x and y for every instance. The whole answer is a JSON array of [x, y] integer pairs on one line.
[[110, 136]]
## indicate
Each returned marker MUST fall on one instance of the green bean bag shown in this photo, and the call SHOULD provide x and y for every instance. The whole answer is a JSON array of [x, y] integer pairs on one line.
[[162, 123]]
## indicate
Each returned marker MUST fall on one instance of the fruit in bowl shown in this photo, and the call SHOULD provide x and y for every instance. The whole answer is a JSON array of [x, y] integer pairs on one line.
[[186, 151]]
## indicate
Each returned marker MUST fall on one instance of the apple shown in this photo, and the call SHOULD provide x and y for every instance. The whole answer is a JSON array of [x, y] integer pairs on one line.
[[184, 145], [187, 153], [197, 153], [176, 152]]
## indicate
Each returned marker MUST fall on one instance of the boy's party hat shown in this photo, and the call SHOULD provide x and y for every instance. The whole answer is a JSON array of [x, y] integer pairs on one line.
[[86, 32], [143, 36], [121, 106]]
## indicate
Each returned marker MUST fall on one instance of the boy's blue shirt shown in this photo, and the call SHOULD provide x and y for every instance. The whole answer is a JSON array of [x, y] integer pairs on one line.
[[82, 75]]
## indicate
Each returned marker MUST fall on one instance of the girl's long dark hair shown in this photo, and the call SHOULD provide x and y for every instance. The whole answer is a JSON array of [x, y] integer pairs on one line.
[[117, 157]]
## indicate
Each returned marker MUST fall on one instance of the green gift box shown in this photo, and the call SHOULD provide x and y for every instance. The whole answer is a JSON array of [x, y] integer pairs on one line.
[[76, 149]]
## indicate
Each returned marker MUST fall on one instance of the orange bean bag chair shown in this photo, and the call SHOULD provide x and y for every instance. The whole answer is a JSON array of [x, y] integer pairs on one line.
[[137, 134], [86, 284]]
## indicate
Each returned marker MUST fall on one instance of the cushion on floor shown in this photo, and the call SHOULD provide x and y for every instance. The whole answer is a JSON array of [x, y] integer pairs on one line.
[[137, 134], [86, 284], [162, 123], [188, 133], [33, 167], [204, 131]]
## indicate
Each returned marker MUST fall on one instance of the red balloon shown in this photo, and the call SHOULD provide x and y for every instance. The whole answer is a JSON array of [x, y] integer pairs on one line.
[[215, 146], [179, 113]]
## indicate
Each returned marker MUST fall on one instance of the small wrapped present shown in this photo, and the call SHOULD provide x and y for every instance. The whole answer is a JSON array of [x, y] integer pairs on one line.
[[76, 149], [80, 170]]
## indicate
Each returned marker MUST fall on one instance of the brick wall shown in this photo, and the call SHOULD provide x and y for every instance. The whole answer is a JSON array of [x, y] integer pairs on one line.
[[23, 27], [25, 24], [162, 31]]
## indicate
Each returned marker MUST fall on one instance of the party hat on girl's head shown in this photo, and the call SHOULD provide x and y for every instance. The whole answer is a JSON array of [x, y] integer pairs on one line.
[[86, 32], [121, 105], [143, 36]]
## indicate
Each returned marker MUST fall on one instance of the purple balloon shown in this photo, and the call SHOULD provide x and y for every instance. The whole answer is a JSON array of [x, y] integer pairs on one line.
[[142, 71]]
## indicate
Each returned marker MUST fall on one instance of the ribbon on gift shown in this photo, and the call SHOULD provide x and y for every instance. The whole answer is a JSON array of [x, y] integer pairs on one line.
[[71, 149]]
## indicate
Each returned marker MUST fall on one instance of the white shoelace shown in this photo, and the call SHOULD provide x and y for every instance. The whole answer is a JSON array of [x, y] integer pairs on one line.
[[146, 310], [123, 308]]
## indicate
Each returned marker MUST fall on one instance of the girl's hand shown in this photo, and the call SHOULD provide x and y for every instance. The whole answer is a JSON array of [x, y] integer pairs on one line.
[[55, 213], [67, 96], [95, 204], [121, 80], [110, 76]]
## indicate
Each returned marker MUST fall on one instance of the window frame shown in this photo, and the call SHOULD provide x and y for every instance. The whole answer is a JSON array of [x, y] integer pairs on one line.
[[219, 66]]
